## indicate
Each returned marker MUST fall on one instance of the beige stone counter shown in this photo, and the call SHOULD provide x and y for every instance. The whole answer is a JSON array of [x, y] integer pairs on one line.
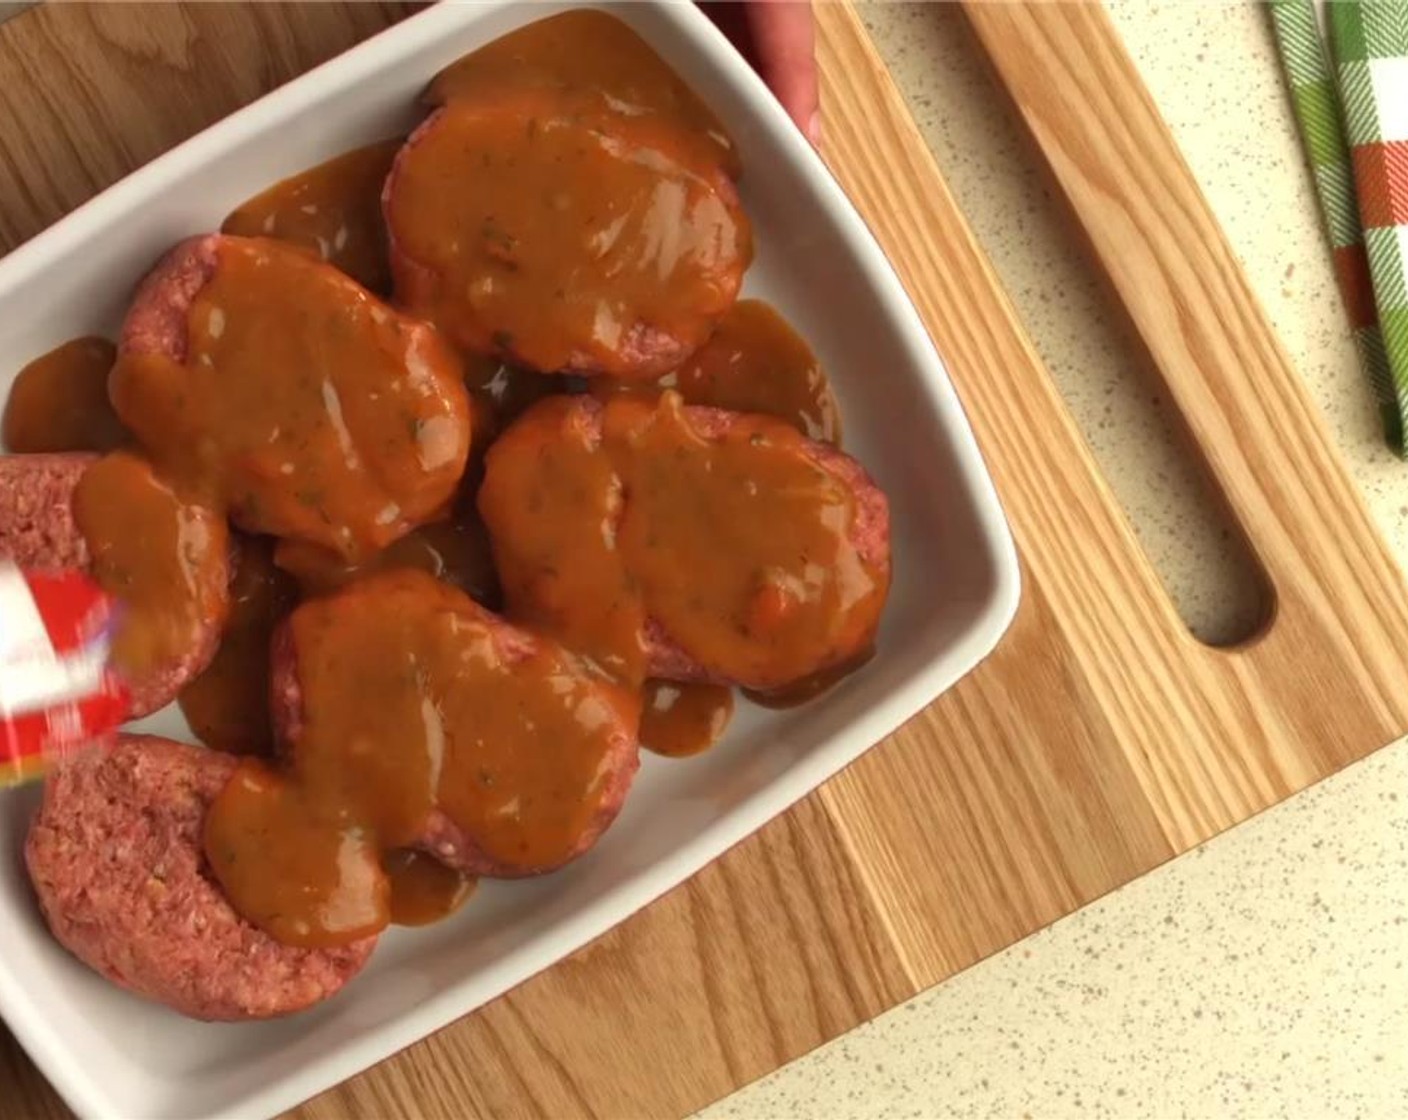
[[1265, 974]]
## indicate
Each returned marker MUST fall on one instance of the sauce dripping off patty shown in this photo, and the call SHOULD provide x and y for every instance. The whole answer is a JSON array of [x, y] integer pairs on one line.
[[164, 557], [411, 712]]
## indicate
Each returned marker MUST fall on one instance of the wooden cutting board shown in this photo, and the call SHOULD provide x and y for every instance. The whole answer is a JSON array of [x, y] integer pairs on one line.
[[1100, 739]]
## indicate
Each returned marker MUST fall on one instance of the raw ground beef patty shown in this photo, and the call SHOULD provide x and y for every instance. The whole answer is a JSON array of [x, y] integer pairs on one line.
[[38, 532], [115, 855]]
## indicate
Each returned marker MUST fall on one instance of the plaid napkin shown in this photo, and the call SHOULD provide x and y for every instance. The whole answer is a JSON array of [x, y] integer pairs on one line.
[[1353, 118]]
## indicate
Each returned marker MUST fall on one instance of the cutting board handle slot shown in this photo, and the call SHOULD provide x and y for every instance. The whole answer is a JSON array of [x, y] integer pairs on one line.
[[1157, 472], [1175, 275]]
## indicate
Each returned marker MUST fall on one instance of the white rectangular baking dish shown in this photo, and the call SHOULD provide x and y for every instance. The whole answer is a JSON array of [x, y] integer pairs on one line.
[[955, 591]]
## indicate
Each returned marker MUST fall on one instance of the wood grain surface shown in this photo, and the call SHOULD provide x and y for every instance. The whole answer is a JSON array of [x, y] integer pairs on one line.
[[1099, 740]]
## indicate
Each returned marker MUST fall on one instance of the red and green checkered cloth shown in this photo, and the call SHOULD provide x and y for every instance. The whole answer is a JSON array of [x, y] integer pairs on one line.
[[1353, 115]]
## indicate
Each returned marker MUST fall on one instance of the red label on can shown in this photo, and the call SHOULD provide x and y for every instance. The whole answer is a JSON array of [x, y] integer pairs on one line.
[[57, 693]]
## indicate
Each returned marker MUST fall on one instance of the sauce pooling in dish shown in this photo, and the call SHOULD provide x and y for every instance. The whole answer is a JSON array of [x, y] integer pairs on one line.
[[424, 890], [754, 362], [455, 551], [733, 535], [413, 705], [679, 719], [227, 706], [299, 402], [59, 401], [504, 392], [334, 209]]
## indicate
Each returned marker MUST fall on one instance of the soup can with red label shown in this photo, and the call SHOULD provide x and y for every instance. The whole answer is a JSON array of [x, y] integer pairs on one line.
[[57, 692]]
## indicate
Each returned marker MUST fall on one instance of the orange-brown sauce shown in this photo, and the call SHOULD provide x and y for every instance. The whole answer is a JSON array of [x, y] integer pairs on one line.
[[597, 63], [333, 209], [227, 706], [424, 890], [304, 405], [754, 362], [678, 720], [414, 701], [736, 542], [528, 231], [455, 550], [165, 560], [551, 503], [810, 687], [59, 401], [575, 196], [298, 871], [503, 392]]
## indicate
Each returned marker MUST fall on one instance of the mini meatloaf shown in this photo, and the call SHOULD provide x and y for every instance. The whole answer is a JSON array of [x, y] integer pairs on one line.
[[254, 373], [533, 754], [687, 543], [115, 855], [167, 563], [563, 240]]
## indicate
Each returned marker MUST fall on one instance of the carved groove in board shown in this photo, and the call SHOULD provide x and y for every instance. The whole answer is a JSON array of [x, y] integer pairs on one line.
[[994, 169]]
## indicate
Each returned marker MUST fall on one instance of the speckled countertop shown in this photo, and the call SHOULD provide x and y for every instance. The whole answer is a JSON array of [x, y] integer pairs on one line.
[[1266, 973]]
